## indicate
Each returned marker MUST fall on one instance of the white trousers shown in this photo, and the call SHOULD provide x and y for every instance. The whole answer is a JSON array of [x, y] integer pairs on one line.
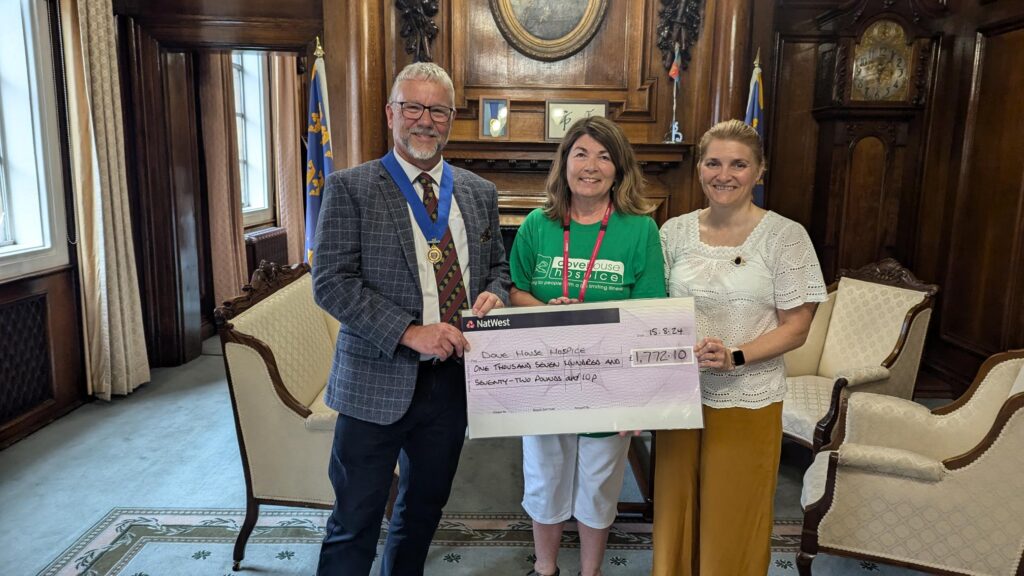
[[569, 475]]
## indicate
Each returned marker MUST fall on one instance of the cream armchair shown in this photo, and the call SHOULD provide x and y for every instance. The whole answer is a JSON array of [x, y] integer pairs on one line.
[[868, 336], [940, 490], [278, 348]]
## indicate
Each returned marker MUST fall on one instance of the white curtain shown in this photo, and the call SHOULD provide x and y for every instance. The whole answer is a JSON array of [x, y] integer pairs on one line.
[[115, 345]]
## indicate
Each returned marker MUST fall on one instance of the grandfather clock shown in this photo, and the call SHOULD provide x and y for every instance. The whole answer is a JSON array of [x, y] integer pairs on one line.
[[871, 86]]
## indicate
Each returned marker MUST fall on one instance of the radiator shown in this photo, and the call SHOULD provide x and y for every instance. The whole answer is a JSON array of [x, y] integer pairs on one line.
[[270, 244]]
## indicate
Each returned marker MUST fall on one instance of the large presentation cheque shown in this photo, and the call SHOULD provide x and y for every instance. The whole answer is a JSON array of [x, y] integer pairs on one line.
[[600, 367]]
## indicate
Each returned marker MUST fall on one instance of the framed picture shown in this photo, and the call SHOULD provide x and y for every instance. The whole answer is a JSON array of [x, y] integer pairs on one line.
[[494, 118], [560, 114], [549, 31]]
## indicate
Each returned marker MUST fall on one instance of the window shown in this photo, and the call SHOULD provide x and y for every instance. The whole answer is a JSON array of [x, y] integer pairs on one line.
[[32, 224], [252, 119]]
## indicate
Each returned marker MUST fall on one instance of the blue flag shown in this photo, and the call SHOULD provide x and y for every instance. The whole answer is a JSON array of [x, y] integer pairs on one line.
[[755, 118], [319, 159]]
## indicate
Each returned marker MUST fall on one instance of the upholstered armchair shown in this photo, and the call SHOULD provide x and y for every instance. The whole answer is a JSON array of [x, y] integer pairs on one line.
[[941, 491], [278, 348], [868, 336]]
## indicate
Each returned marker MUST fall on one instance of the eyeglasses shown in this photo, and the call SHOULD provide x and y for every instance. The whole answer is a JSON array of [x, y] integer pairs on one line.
[[414, 110]]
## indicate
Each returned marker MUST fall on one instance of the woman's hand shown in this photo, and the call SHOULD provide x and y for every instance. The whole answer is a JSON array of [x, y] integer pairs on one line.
[[563, 300], [712, 353], [624, 433]]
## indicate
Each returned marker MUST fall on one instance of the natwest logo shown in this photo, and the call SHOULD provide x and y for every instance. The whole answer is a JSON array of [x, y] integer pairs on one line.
[[482, 323]]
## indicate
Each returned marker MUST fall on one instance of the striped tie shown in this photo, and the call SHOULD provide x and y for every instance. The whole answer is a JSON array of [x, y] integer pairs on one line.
[[451, 291]]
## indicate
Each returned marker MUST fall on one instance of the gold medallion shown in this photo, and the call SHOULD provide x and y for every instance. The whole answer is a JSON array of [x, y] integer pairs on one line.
[[434, 254]]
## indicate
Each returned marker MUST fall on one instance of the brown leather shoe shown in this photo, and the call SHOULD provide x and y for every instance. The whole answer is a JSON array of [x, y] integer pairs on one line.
[[535, 573]]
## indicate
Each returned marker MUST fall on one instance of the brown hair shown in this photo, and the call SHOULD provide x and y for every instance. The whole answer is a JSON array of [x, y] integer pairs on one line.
[[629, 181], [735, 131]]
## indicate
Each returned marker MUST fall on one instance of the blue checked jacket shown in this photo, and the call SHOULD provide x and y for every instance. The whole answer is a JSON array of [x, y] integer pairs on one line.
[[365, 275]]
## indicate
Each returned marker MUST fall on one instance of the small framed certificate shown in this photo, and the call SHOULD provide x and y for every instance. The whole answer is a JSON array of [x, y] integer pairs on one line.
[[494, 118], [559, 115]]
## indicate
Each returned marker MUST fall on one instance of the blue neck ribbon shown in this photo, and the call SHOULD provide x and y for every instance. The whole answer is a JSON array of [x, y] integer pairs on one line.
[[433, 231]]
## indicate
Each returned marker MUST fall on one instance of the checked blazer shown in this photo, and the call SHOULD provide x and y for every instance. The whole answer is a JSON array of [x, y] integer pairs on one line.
[[365, 275]]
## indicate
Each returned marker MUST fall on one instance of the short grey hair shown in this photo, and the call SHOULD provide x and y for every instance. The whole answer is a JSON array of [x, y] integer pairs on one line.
[[424, 71]]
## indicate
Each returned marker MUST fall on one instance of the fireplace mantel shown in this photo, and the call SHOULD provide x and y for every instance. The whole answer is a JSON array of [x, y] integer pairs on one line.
[[508, 156], [519, 169]]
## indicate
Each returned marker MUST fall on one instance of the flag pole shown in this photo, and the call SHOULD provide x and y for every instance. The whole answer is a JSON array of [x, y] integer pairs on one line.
[[319, 154], [675, 136]]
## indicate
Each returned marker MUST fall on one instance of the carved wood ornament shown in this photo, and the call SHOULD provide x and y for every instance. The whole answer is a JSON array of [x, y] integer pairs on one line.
[[268, 278], [890, 272], [679, 22], [418, 28]]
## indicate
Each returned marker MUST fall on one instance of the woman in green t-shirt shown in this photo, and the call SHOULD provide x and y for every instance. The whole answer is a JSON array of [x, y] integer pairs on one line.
[[592, 241]]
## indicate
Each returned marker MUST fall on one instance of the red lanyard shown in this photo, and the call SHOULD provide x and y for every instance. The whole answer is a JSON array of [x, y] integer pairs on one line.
[[593, 257]]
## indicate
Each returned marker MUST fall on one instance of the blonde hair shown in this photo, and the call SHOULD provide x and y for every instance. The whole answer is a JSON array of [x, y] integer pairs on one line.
[[427, 71], [629, 181], [735, 131]]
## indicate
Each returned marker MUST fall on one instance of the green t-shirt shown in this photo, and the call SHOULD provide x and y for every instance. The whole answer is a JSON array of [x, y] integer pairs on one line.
[[629, 264]]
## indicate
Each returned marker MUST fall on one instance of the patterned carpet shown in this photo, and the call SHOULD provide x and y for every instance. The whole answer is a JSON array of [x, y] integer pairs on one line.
[[199, 542]]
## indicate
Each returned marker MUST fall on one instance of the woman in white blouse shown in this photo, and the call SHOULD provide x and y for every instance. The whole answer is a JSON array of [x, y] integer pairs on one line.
[[756, 281]]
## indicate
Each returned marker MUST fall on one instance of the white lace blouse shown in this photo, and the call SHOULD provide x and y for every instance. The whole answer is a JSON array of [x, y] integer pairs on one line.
[[777, 270]]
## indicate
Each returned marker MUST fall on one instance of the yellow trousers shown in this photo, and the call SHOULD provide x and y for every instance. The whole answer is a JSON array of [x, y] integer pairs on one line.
[[714, 494]]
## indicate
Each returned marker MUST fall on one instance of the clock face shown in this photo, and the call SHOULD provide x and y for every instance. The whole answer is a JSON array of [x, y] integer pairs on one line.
[[879, 74]]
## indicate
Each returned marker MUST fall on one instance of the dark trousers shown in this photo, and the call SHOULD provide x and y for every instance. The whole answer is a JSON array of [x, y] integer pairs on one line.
[[426, 442]]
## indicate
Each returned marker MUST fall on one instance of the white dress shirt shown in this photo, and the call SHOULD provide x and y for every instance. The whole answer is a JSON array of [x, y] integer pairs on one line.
[[428, 283]]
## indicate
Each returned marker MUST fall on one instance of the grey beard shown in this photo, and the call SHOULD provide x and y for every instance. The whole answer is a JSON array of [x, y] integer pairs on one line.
[[419, 153]]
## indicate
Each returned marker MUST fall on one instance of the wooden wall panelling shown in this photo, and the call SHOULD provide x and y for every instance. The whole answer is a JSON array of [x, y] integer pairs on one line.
[[960, 217], [483, 64], [41, 377], [731, 56], [356, 70], [169, 274], [982, 303], [185, 185], [792, 132], [260, 24]]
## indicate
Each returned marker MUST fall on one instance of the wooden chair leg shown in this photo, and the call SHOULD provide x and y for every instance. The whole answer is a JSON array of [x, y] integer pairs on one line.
[[252, 513], [803, 563]]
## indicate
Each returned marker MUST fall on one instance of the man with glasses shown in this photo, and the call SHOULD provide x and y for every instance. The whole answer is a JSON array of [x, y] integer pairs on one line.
[[403, 244]]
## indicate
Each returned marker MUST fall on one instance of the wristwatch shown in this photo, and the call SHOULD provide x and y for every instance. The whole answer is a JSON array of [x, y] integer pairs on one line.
[[737, 358]]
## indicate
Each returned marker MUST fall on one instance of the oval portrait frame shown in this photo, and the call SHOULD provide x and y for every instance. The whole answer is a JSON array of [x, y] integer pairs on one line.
[[548, 50]]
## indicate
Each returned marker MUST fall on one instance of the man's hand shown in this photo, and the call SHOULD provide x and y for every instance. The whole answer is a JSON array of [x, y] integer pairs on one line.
[[441, 340], [486, 302]]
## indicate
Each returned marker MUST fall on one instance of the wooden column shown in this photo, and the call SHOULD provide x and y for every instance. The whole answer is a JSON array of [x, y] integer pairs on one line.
[[353, 41], [729, 21]]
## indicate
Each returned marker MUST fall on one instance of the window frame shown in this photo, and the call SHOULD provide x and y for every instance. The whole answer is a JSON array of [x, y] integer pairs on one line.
[[6, 237], [35, 195], [255, 145]]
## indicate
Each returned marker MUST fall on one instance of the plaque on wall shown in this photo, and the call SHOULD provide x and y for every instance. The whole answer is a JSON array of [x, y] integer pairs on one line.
[[559, 115], [546, 30], [881, 64]]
